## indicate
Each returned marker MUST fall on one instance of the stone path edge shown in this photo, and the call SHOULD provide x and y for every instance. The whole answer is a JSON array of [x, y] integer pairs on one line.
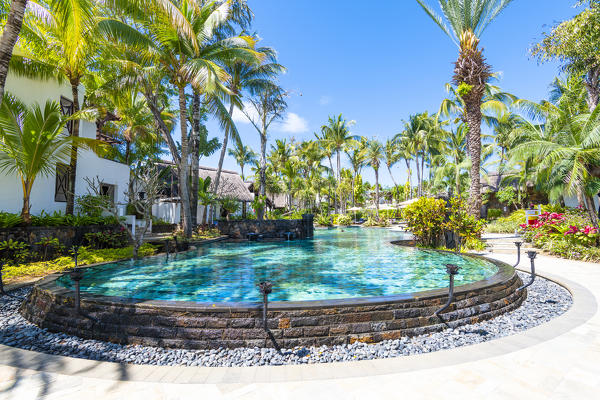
[[583, 308]]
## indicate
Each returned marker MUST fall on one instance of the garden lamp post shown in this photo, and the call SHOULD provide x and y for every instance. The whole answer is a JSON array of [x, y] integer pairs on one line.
[[266, 288], [532, 256], [452, 270]]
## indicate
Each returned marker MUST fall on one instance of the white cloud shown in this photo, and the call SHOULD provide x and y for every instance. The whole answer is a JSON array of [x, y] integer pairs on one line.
[[325, 100], [239, 117], [293, 123]]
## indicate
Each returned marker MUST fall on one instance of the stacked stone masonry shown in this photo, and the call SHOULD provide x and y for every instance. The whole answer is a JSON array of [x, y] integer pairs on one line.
[[193, 326]]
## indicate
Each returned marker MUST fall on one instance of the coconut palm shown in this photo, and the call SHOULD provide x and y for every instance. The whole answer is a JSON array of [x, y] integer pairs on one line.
[[564, 147], [246, 77], [392, 156], [33, 142], [244, 155], [267, 104], [414, 139], [188, 51], [10, 33], [337, 134], [375, 155], [58, 40], [465, 21]]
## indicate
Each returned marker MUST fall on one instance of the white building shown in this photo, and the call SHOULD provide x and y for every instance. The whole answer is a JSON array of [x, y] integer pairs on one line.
[[48, 192]]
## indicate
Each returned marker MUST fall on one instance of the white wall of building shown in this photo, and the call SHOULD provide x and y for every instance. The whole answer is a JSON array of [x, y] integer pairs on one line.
[[89, 165], [571, 201]]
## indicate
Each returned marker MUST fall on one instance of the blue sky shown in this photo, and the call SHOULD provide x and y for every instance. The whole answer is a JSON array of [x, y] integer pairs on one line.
[[377, 63]]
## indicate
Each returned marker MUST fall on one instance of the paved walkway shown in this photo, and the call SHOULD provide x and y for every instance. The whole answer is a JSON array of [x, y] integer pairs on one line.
[[557, 360]]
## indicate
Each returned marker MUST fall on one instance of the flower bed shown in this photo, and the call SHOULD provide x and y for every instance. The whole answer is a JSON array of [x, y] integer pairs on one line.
[[568, 234]]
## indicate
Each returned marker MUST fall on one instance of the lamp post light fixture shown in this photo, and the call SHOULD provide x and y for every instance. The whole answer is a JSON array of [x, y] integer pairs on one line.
[[518, 244], [76, 275], [532, 256], [451, 270], [266, 288]]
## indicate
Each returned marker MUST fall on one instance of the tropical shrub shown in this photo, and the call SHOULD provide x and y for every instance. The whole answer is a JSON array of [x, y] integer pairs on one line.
[[51, 247], [229, 205], [107, 239], [86, 257], [8, 220], [494, 213], [344, 220], [89, 205], [381, 222], [425, 219], [460, 222], [14, 252], [324, 220]]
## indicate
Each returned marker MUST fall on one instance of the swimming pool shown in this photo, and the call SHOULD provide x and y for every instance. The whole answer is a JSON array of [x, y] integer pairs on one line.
[[336, 264]]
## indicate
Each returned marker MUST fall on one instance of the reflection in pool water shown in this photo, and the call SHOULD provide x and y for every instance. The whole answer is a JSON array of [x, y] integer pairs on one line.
[[354, 262]]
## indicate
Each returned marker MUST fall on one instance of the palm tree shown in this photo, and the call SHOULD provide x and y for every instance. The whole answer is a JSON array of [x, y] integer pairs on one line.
[[565, 147], [467, 19], [337, 134], [414, 140], [243, 155], [58, 40], [454, 156], [357, 155], [32, 142], [188, 51], [392, 156], [246, 77], [375, 155], [10, 33], [268, 104]]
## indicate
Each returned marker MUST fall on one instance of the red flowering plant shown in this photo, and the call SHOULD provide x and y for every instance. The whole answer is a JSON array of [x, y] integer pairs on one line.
[[585, 236]]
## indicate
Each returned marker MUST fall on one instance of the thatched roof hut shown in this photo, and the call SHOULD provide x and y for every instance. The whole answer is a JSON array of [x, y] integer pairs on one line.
[[230, 185]]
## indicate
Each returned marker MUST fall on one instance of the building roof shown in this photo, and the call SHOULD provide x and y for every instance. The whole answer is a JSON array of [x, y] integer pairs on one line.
[[230, 184]]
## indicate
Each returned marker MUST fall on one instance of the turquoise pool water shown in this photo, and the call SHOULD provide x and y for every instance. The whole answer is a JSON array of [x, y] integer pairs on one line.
[[353, 262]]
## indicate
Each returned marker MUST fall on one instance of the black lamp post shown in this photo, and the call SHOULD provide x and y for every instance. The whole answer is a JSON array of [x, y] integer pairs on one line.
[[266, 288], [452, 270], [532, 256], [518, 244]]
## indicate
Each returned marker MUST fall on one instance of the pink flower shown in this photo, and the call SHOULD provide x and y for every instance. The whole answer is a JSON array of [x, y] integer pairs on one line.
[[589, 230], [572, 230]]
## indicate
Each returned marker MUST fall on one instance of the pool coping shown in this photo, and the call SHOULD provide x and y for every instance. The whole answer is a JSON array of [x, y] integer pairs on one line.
[[584, 307], [504, 274]]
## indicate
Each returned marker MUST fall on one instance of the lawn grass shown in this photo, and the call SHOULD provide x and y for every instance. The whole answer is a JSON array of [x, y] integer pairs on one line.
[[27, 271]]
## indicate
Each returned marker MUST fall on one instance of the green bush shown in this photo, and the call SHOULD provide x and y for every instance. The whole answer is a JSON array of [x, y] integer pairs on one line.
[[324, 220], [14, 252], [86, 257], [344, 220], [494, 213], [107, 239], [8, 220], [460, 222], [425, 219]]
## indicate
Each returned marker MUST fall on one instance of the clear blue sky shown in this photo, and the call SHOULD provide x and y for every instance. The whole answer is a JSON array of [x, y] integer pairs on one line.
[[379, 62]]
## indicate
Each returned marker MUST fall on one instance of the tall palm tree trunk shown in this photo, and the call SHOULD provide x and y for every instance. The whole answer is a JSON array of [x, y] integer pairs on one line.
[[473, 116], [592, 84], [222, 156], [409, 173], [418, 177], [73, 163], [184, 193], [377, 192], [9, 38], [263, 169], [195, 150], [339, 181]]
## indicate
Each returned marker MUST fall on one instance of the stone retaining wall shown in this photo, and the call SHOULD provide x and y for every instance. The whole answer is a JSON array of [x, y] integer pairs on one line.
[[65, 234], [239, 229], [329, 322]]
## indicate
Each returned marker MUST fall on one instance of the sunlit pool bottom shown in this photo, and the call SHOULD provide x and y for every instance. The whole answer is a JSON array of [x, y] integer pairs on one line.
[[341, 287]]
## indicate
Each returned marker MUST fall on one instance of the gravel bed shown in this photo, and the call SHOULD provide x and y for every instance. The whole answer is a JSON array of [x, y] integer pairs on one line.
[[545, 300]]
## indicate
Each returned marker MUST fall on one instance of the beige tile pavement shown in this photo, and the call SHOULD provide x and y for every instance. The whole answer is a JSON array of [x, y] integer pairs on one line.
[[557, 360]]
